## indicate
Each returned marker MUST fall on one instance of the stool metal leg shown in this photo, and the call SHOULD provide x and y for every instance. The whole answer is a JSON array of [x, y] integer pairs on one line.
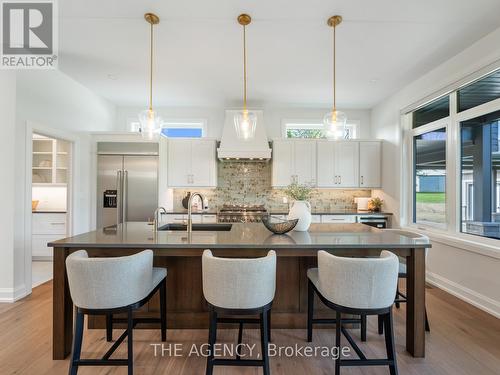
[[212, 332], [363, 327], [427, 327], [310, 310], [389, 343], [130, 342], [163, 310], [109, 327], [240, 339], [264, 325], [338, 327], [269, 325], [77, 342], [380, 325]]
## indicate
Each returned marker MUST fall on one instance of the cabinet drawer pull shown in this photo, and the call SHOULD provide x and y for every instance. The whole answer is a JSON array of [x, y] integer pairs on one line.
[[57, 223]]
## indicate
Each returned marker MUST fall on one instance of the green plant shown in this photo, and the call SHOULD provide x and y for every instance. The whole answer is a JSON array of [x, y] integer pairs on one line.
[[375, 204], [298, 192]]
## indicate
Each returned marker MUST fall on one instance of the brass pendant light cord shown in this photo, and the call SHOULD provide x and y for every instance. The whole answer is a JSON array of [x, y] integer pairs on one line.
[[244, 69], [151, 71], [334, 72]]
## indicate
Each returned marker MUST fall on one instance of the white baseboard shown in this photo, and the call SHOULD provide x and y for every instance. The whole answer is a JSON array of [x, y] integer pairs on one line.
[[10, 295], [470, 296]]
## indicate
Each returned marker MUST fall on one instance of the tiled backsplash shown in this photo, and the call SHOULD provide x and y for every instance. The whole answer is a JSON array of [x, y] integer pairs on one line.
[[250, 183]]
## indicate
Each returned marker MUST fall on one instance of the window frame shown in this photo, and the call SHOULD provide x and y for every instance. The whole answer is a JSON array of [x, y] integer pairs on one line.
[[314, 123], [453, 169]]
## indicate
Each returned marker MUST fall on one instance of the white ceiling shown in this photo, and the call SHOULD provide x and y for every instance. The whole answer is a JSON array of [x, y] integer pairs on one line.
[[382, 45]]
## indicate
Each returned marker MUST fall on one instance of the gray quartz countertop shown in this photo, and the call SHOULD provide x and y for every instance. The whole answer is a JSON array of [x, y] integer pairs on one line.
[[335, 212], [285, 212], [242, 236], [183, 211]]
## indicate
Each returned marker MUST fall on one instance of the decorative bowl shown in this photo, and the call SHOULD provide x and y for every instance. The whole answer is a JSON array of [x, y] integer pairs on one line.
[[279, 226]]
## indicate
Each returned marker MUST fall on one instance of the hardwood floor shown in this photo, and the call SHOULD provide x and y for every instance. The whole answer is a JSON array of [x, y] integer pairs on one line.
[[463, 341]]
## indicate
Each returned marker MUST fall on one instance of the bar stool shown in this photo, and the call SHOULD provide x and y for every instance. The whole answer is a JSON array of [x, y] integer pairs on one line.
[[234, 288], [106, 286], [400, 297], [359, 286]]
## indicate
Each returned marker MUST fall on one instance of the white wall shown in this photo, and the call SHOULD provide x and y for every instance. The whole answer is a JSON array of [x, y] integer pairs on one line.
[[60, 107], [8, 127], [272, 117], [474, 277]]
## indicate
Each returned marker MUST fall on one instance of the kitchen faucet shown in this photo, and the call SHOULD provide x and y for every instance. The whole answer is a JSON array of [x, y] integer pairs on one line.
[[190, 203], [157, 219]]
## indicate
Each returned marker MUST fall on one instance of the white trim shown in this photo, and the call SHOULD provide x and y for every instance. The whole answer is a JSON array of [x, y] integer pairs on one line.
[[9, 295], [465, 294]]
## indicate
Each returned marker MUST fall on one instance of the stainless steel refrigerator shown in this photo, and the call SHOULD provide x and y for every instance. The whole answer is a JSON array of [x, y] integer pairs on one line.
[[127, 182]]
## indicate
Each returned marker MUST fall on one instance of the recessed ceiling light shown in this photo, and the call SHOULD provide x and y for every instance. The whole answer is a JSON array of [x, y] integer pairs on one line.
[[373, 81], [112, 77]]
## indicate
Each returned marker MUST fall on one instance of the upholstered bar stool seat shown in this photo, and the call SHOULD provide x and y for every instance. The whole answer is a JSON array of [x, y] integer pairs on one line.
[[107, 286], [357, 286], [236, 287]]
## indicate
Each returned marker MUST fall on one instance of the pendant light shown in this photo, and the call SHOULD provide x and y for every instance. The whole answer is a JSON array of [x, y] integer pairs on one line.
[[150, 123], [334, 122], [245, 121]]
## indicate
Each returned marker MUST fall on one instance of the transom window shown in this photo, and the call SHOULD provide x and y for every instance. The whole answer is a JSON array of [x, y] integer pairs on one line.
[[314, 129], [177, 128]]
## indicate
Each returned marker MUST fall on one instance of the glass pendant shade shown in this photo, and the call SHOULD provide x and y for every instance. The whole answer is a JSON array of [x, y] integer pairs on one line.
[[245, 123], [334, 124], [150, 124]]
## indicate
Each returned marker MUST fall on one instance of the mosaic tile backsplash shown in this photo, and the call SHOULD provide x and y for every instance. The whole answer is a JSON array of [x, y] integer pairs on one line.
[[250, 183]]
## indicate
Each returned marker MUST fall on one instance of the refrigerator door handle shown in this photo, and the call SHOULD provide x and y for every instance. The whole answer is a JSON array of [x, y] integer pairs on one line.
[[125, 196], [118, 195]]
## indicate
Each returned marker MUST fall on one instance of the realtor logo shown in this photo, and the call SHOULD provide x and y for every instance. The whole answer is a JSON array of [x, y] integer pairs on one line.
[[29, 35]]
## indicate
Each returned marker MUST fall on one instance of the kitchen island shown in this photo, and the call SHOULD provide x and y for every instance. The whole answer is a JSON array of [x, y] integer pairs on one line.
[[180, 253]]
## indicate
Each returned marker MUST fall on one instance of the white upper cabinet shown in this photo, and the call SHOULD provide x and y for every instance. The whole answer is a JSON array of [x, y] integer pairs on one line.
[[349, 164], [370, 153], [326, 164], [338, 164], [304, 154], [283, 170], [191, 163], [294, 161]]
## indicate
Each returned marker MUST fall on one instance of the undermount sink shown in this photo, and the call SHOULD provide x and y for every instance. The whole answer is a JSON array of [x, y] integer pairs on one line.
[[198, 227]]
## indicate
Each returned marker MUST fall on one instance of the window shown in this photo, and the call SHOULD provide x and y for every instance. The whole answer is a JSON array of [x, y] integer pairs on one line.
[[451, 177], [479, 92], [429, 200], [314, 129], [431, 112], [480, 177], [177, 129], [184, 129]]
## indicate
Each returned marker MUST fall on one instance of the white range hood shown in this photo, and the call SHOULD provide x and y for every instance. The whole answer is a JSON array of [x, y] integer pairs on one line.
[[233, 148]]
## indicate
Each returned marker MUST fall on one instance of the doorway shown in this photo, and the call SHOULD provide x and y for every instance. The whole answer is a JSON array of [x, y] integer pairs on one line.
[[51, 163]]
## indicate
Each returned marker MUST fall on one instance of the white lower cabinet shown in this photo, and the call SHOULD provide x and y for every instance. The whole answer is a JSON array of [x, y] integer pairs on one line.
[[326, 219], [45, 228], [316, 219]]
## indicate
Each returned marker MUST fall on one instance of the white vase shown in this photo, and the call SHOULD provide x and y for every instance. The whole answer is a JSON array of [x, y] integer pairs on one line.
[[301, 210]]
